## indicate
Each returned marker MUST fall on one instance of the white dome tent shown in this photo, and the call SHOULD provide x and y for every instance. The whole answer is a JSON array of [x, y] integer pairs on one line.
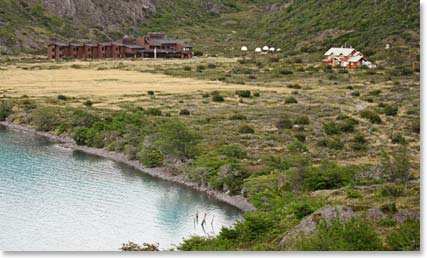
[[244, 48], [258, 50], [278, 50], [272, 49], [265, 48]]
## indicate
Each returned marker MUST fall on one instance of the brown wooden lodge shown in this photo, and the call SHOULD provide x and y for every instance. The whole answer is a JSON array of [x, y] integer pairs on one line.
[[153, 45]]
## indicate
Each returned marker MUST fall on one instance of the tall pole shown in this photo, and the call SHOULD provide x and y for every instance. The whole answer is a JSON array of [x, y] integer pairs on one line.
[[155, 53]]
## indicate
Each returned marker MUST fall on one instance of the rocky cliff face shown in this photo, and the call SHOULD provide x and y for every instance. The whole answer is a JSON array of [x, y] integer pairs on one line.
[[108, 15]]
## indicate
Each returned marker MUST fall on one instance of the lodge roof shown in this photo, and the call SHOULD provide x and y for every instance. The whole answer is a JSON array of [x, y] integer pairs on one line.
[[337, 51], [91, 44], [355, 58], [76, 45], [57, 43], [134, 46]]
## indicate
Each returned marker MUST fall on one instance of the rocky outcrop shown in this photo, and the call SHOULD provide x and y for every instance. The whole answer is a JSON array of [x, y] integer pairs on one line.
[[308, 225], [108, 15], [404, 215]]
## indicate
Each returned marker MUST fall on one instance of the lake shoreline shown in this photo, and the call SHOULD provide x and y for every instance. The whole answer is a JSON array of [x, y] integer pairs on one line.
[[237, 201]]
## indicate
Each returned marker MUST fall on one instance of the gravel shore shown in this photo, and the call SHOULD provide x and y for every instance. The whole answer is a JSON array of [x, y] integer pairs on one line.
[[237, 201]]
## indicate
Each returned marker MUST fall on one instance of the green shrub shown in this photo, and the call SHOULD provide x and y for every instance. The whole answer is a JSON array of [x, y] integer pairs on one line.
[[232, 151], [294, 86], [291, 100], [352, 194], [355, 94], [328, 175], [387, 222], [398, 139], [300, 210], [211, 66], [257, 94], [88, 103], [391, 110], [5, 109], [238, 117], [332, 143], [187, 68], [150, 92], [375, 93], [62, 97], [392, 190], [184, 112], [218, 98], [302, 120], [246, 129], [150, 157], [205, 95], [80, 135], [331, 128], [285, 123], [300, 137], [175, 138], [389, 207], [406, 238], [45, 119], [286, 72], [353, 235], [371, 116], [297, 147], [243, 93], [153, 112], [359, 142]]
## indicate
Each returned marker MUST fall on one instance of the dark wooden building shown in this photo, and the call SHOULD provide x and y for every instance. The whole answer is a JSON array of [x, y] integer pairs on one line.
[[152, 45]]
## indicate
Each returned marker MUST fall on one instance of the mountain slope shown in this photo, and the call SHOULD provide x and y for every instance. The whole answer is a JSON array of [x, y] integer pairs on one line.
[[216, 26]]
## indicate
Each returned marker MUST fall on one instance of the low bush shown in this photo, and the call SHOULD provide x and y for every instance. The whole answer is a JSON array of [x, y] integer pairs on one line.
[[371, 116], [217, 98], [88, 103], [285, 123], [211, 66], [246, 129], [243, 93], [286, 72], [45, 119], [187, 68], [177, 139], [153, 112], [238, 117], [150, 157], [355, 94], [291, 100], [331, 128], [62, 97], [359, 142], [5, 109], [406, 238], [398, 139], [302, 120], [353, 235], [150, 92], [391, 110], [184, 112]]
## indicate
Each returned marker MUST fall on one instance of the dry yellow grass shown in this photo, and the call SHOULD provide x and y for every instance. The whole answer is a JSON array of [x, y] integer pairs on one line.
[[93, 83]]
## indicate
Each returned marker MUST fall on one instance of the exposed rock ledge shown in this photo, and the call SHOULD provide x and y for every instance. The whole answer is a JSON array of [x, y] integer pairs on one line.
[[237, 201]]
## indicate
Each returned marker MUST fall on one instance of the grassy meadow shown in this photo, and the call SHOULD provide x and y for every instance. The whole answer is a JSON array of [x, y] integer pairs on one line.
[[286, 132]]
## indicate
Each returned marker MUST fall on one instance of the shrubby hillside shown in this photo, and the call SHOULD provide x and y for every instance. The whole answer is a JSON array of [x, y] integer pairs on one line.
[[218, 26]]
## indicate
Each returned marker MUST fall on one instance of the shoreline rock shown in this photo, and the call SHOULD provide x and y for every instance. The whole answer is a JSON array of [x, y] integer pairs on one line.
[[237, 201]]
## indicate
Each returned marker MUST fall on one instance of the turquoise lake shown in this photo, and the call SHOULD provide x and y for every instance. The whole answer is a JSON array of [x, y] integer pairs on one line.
[[56, 199]]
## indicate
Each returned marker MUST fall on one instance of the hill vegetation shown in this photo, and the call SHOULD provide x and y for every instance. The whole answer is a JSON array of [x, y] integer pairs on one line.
[[219, 27]]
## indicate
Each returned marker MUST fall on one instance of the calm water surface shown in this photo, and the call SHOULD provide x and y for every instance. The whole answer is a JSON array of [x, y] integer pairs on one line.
[[52, 198]]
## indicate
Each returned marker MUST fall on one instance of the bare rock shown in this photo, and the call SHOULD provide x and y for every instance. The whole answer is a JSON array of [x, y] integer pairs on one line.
[[404, 214], [307, 226], [374, 214]]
